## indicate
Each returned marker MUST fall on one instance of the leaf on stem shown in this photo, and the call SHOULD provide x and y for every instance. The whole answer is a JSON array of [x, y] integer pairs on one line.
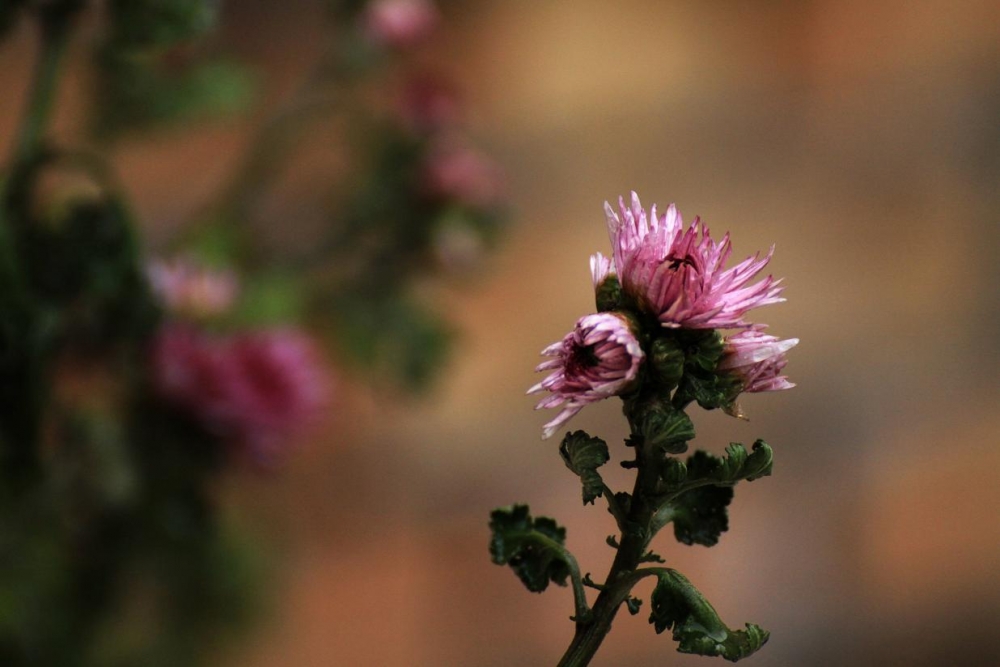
[[665, 427], [700, 515], [584, 454], [678, 606], [705, 483], [532, 547], [737, 465]]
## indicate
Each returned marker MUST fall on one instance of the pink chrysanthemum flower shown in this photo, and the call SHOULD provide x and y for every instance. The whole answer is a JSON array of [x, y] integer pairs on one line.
[[255, 390], [758, 359], [186, 288], [399, 24], [598, 359], [678, 274]]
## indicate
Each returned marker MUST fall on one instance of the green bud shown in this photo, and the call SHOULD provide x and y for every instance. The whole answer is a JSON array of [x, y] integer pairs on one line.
[[666, 359], [609, 294], [703, 349]]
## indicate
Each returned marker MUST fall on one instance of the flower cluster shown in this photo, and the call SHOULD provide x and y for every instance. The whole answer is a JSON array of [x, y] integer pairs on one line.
[[663, 277], [252, 390]]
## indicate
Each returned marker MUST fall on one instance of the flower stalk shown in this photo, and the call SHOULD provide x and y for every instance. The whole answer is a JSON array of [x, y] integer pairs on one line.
[[656, 344]]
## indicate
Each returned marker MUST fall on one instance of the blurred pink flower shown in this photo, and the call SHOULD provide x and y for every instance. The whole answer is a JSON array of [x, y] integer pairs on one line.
[[430, 103], [678, 274], [456, 172], [187, 288], [598, 359], [757, 358], [253, 390], [399, 24]]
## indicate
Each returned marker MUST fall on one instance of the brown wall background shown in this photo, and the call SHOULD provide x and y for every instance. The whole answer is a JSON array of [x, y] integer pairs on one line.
[[860, 137]]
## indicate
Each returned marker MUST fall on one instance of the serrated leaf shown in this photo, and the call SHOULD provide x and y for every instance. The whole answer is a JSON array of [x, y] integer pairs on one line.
[[584, 454], [666, 428], [678, 606], [735, 466], [700, 515], [532, 547]]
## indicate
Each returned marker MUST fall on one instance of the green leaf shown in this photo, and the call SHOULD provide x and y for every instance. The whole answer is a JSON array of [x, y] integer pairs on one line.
[[584, 454], [666, 428], [270, 298], [677, 605], [138, 92], [534, 548], [700, 515], [735, 466]]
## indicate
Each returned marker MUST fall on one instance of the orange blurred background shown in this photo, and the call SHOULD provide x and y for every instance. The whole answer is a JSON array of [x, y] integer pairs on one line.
[[861, 138]]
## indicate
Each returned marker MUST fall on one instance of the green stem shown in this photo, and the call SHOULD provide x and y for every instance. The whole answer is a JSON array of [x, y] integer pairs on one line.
[[614, 507], [583, 612], [27, 329], [56, 25], [623, 574]]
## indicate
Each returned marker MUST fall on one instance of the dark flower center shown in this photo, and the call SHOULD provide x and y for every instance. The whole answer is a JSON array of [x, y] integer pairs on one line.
[[580, 359], [678, 262]]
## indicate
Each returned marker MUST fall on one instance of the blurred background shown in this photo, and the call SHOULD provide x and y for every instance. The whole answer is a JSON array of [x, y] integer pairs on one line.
[[861, 138]]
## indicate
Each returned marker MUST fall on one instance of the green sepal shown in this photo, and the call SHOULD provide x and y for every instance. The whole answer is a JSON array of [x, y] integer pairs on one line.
[[532, 547], [608, 295], [677, 605], [700, 515], [584, 454]]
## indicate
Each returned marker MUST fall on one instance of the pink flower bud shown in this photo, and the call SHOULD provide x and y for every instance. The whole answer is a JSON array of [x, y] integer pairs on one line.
[[757, 358], [399, 24], [598, 359]]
